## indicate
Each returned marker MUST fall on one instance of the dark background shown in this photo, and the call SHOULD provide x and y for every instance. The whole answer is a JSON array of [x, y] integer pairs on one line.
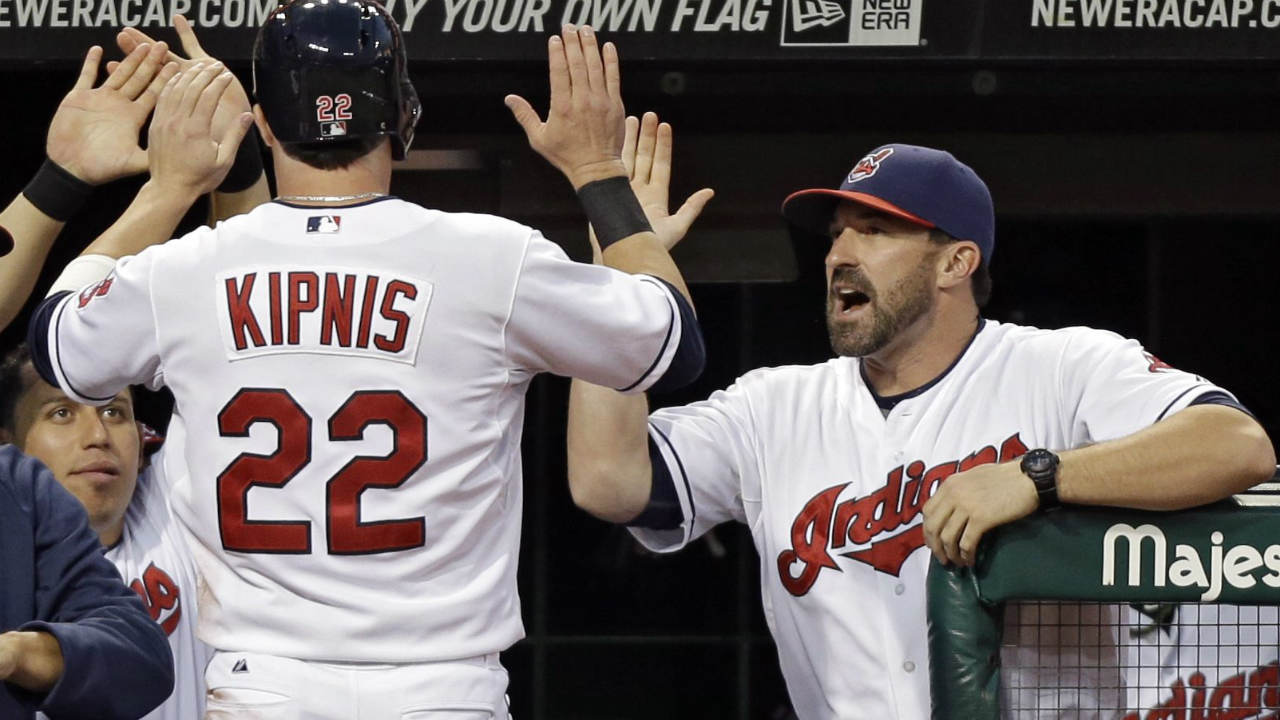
[[1137, 196]]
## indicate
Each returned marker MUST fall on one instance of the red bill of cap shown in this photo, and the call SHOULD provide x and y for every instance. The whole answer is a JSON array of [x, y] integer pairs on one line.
[[813, 209]]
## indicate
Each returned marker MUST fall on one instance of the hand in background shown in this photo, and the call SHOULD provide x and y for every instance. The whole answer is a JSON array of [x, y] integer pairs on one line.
[[583, 134], [94, 133]]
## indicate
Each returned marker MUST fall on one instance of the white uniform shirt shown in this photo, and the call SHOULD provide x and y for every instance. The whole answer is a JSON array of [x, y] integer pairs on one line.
[[154, 561], [350, 384], [831, 488]]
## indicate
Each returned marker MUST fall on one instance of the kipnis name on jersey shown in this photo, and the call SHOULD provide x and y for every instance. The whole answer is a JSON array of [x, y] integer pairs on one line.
[[335, 311], [869, 523]]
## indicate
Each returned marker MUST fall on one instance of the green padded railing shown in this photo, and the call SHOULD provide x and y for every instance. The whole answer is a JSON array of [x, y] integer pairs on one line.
[[1224, 553]]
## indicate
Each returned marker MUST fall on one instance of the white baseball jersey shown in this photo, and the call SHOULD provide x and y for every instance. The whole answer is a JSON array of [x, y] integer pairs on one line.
[[350, 386], [153, 559], [831, 488]]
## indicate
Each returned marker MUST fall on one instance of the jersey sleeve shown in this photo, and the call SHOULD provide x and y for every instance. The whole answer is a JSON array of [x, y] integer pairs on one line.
[[708, 449], [94, 342], [627, 332], [1112, 387]]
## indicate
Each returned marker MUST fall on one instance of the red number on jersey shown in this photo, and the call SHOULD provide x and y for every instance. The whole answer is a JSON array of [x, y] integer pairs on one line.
[[346, 533], [293, 452]]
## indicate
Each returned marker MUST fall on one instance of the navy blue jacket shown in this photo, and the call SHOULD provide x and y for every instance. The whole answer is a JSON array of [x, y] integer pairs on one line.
[[54, 578]]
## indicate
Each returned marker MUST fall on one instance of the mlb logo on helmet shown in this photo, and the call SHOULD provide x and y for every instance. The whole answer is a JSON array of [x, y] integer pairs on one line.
[[324, 224], [333, 129]]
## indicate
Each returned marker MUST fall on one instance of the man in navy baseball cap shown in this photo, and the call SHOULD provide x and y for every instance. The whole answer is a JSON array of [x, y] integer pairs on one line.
[[912, 234], [926, 186]]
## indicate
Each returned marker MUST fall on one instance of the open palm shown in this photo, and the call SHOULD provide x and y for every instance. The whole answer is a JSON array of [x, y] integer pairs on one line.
[[94, 133]]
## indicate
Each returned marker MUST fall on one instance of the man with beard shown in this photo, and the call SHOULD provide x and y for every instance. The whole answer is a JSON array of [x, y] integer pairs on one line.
[[838, 468]]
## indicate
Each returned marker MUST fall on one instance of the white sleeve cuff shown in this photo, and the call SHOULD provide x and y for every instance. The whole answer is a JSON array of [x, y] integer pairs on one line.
[[83, 271]]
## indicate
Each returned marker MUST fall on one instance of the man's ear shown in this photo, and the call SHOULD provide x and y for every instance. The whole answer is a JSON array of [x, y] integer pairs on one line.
[[958, 261], [264, 130]]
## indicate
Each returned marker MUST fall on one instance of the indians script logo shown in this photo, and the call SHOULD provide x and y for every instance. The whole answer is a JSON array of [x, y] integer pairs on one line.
[[866, 523], [1247, 695], [868, 165], [160, 594]]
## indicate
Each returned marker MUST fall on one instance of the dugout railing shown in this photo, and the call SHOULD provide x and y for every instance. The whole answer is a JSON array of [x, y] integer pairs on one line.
[[1114, 614]]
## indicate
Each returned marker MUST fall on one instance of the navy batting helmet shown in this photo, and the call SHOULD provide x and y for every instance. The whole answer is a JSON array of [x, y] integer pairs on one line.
[[331, 70]]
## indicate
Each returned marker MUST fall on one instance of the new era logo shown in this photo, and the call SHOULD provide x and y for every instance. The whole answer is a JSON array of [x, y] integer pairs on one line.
[[241, 666], [324, 223], [815, 13], [851, 23]]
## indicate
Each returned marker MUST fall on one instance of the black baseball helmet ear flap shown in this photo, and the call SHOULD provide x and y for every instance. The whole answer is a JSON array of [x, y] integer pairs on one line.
[[332, 70]]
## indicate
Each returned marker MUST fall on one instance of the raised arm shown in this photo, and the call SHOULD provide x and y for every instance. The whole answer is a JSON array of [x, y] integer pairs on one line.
[[610, 473], [245, 186], [185, 155], [93, 139], [583, 138]]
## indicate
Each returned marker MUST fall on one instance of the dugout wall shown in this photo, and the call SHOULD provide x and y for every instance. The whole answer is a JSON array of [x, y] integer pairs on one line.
[[1111, 614]]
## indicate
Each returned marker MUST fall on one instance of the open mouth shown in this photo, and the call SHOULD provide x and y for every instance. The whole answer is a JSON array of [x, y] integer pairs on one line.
[[849, 300]]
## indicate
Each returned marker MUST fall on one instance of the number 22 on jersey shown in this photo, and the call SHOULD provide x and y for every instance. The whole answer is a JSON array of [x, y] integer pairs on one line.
[[346, 534]]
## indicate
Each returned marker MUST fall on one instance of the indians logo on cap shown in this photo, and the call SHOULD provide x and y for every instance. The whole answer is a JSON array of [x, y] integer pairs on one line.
[[868, 165]]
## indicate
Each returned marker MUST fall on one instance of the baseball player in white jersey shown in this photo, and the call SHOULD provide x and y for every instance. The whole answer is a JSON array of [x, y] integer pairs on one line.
[[95, 453], [349, 369], [932, 426]]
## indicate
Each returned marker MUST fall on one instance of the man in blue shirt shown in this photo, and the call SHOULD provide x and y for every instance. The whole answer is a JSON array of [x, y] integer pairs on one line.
[[74, 641]]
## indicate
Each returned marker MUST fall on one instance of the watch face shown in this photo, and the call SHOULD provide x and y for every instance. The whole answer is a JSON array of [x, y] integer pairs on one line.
[[1038, 461]]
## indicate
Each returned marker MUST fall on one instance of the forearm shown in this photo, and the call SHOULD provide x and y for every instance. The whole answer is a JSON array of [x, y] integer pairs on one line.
[[643, 253], [610, 475], [36, 660], [223, 205], [33, 235], [1199, 455], [149, 220]]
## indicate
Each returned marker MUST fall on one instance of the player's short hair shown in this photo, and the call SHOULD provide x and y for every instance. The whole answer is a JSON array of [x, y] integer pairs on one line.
[[17, 376], [981, 278], [14, 383], [333, 155]]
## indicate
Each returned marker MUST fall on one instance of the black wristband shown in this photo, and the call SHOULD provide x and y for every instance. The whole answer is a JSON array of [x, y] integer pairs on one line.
[[247, 167], [613, 210], [56, 192]]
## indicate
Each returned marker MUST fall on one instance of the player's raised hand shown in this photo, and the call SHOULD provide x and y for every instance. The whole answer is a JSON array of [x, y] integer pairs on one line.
[[646, 153], [94, 133], [186, 155], [582, 135], [968, 504], [234, 101]]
